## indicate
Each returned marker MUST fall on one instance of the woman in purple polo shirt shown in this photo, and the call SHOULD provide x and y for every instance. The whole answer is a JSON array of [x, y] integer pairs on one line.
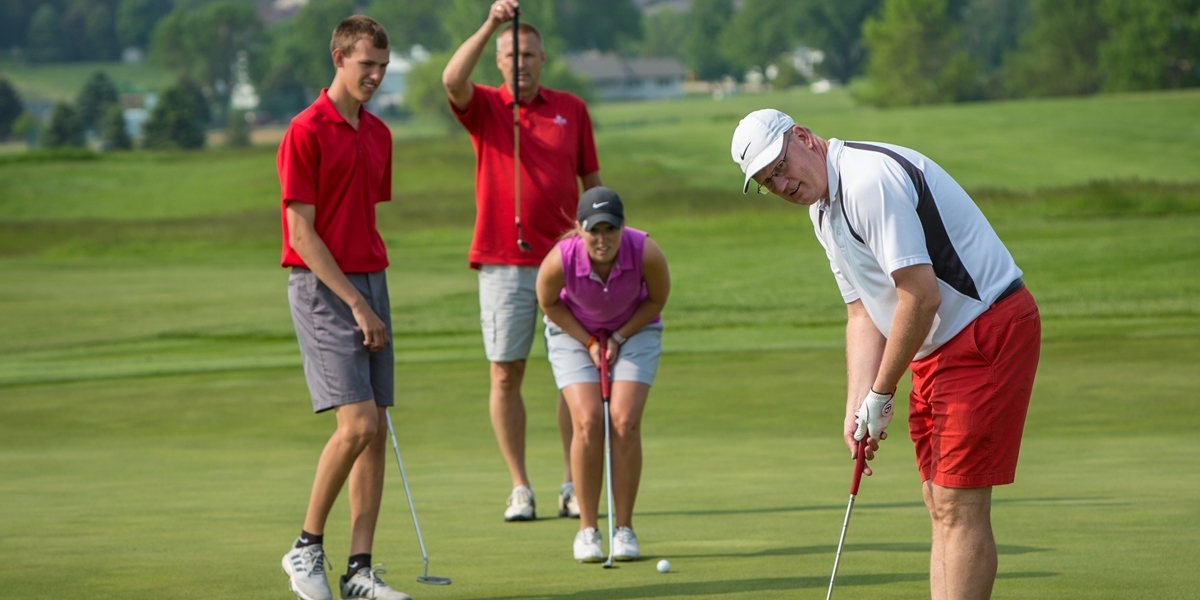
[[604, 276]]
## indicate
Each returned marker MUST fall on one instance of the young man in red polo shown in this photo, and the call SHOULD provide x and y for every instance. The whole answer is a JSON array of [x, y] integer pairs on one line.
[[557, 154], [335, 164]]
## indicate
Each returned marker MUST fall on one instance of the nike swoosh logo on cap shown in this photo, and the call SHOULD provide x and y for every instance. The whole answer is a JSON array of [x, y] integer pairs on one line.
[[599, 204], [744, 150]]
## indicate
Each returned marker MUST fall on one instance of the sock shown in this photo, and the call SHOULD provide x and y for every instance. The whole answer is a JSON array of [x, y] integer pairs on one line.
[[357, 562], [308, 539], [570, 485]]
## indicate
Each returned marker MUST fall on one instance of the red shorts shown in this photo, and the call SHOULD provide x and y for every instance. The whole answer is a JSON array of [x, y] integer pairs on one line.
[[969, 398]]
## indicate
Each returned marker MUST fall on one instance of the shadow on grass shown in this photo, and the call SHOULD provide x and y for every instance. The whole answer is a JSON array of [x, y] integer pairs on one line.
[[1080, 500], [830, 549], [741, 586], [776, 509]]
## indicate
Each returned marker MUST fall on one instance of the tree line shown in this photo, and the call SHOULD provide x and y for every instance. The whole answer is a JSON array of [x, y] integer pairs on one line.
[[890, 52]]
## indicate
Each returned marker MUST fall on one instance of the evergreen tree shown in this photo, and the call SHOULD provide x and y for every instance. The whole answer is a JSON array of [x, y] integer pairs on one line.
[[836, 29], [759, 33], [599, 24], [914, 57], [411, 22], [100, 39], [10, 107], [45, 36], [136, 19], [1059, 53], [664, 32], [65, 130], [75, 29], [701, 49], [301, 43], [14, 22], [237, 131], [1153, 44], [281, 94], [174, 123], [200, 101], [204, 44], [113, 131], [94, 99]]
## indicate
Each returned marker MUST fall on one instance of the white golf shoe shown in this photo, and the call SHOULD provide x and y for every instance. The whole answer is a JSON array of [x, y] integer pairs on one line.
[[587, 546], [305, 568], [568, 504], [521, 505], [625, 545], [366, 585]]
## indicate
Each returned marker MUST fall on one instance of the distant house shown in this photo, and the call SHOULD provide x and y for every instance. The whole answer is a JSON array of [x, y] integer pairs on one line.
[[619, 78]]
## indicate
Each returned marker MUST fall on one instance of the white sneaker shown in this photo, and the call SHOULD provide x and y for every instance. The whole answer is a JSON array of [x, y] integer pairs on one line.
[[305, 568], [587, 546], [521, 506], [625, 545], [568, 504], [366, 585]]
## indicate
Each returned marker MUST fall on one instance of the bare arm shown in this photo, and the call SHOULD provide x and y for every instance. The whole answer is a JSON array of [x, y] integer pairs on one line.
[[864, 352], [303, 238], [919, 300], [875, 363], [456, 77], [549, 286], [591, 180], [658, 287]]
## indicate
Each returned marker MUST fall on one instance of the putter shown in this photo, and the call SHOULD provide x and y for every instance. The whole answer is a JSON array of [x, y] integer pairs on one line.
[[860, 462], [425, 577], [604, 395], [516, 44]]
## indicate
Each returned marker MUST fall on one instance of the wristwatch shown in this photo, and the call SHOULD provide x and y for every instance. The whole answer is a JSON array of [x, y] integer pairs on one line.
[[618, 338]]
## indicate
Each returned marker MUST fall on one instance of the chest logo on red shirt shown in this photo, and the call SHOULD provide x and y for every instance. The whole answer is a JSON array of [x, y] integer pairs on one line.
[[560, 121]]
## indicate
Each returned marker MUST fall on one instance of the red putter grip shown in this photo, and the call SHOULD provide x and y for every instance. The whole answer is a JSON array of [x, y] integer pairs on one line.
[[604, 383], [860, 463]]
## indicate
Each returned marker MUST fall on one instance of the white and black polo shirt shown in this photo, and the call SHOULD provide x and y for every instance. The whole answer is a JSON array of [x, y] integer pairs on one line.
[[890, 207]]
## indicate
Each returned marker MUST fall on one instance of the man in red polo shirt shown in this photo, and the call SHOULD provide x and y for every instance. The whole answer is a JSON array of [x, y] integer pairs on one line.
[[557, 153], [335, 164]]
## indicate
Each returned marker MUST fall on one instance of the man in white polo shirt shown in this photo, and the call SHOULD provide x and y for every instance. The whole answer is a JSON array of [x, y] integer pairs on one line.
[[927, 285]]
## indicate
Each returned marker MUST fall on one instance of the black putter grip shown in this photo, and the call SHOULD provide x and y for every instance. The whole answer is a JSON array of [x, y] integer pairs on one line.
[[516, 44]]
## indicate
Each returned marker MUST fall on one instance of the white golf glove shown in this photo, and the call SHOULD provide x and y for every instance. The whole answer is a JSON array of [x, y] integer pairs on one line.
[[874, 415]]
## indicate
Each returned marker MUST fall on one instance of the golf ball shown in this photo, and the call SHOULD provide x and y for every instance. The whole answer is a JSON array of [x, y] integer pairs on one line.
[[664, 566]]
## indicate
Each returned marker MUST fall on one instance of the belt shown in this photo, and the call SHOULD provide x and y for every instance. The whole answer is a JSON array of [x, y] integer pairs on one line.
[[1012, 288]]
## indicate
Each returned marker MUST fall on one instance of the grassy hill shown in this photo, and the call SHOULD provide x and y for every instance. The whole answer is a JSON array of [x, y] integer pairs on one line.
[[155, 439], [63, 81]]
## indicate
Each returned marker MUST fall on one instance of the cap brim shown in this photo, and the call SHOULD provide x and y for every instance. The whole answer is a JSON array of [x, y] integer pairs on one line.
[[591, 222], [762, 159]]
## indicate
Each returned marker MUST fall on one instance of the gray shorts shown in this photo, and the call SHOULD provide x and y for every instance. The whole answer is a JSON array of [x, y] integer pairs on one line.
[[338, 367], [507, 310], [571, 363]]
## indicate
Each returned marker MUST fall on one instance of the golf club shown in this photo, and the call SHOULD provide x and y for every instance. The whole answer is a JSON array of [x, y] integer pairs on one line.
[[425, 577], [604, 396], [516, 94], [860, 462]]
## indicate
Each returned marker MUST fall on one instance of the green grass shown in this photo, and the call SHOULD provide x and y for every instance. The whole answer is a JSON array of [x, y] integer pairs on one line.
[[64, 80], [155, 439]]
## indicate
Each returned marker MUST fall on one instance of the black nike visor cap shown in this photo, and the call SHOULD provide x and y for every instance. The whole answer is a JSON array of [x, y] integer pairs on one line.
[[600, 205]]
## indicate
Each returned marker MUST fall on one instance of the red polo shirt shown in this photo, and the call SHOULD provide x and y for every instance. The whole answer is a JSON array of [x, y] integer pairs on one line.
[[556, 147], [344, 172]]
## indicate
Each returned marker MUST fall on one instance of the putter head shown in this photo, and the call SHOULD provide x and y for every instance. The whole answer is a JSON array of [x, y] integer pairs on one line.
[[608, 564], [433, 580]]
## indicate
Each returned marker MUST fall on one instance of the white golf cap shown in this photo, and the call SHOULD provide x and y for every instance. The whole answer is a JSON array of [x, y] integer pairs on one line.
[[757, 140]]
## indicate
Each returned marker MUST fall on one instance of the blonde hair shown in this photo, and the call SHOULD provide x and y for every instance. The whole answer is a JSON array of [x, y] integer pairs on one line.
[[358, 27]]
